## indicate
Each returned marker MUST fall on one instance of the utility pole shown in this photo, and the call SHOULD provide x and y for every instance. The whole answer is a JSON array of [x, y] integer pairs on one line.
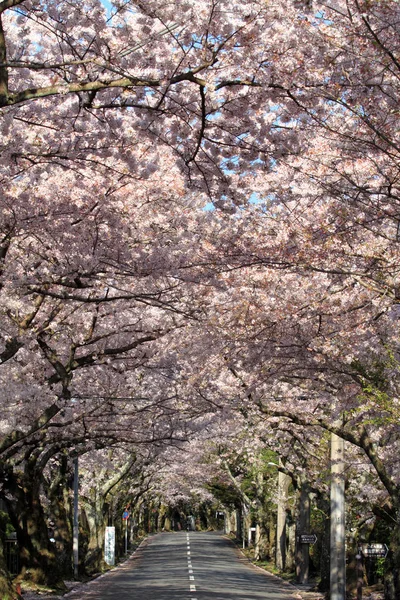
[[75, 533], [337, 546]]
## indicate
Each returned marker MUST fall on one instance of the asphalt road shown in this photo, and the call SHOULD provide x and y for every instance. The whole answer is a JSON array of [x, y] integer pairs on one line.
[[185, 566]]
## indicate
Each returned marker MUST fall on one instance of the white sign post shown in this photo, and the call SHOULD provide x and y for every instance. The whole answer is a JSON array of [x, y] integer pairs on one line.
[[109, 546]]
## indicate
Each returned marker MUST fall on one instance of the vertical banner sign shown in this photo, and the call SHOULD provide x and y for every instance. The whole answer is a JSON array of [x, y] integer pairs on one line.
[[109, 546]]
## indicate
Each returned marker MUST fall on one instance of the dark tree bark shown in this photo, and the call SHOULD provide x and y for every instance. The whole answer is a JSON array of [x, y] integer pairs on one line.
[[7, 591], [60, 511], [38, 558]]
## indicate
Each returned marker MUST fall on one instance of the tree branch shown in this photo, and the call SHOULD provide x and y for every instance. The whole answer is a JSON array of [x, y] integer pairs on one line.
[[358, 436], [40, 423], [3, 69]]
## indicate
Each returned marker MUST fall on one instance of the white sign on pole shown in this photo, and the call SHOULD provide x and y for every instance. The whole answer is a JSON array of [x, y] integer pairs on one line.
[[109, 546], [374, 550], [308, 538]]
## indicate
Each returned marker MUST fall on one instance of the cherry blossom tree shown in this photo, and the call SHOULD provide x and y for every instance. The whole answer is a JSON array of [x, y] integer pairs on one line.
[[68, 311], [118, 124]]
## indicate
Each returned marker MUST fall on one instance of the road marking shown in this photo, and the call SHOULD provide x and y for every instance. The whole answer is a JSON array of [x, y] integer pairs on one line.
[[192, 587]]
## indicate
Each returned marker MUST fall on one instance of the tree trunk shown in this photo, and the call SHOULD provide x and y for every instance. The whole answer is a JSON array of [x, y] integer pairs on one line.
[[38, 559], [246, 523], [96, 516], [227, 522], [60, 512], [303, 526], [284, 482], [7, 592], [324, 545], [392, 578], [291, 544], [259, 540]]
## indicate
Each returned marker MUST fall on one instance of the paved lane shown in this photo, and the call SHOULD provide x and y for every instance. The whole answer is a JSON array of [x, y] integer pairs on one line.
[[185, 566], [222, 573]]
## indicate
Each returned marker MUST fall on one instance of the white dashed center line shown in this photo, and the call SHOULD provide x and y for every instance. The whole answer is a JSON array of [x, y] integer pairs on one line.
[[192, 587]]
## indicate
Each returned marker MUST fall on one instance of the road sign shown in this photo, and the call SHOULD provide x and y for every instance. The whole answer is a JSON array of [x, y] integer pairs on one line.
[[374, 550], [307, 538], [125, 515]]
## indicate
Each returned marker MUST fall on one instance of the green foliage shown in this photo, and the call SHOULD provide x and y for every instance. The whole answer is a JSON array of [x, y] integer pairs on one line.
[[226, 494], [373, 375], [380, 568], [6, 528], [376, 402]]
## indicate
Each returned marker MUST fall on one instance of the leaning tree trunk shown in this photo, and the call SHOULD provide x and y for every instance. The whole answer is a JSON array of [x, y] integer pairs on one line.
[[38, 558]]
